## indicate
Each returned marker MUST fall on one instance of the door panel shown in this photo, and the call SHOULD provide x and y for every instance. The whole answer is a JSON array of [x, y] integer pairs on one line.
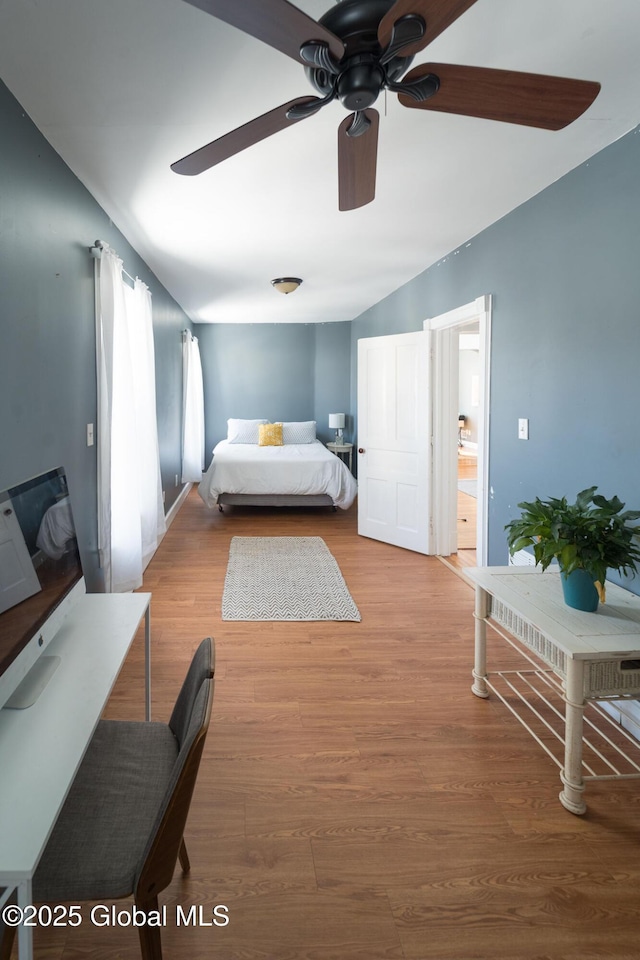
[[18, 579], [394, 440]]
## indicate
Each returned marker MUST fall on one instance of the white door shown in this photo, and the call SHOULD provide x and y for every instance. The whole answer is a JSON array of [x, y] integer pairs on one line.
[[394, 440], [18, 579]]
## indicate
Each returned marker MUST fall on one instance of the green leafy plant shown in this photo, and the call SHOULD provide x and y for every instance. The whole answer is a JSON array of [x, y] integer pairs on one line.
[[592, 534]]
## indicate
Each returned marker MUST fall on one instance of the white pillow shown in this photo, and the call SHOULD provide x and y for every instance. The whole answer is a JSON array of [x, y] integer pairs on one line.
[[302, 431], [243, 431]]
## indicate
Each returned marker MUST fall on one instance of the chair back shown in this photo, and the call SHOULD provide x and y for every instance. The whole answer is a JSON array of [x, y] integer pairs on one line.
[[161, 853], [201, 668]]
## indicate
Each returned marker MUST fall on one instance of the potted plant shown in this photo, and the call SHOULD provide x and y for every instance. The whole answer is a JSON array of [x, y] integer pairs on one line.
[[587, 538]]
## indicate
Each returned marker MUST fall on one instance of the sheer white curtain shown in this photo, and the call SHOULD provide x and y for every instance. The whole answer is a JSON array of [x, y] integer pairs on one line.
[[192, 412], [130, 510]]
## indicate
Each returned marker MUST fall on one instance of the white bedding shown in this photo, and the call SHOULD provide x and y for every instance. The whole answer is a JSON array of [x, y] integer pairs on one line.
[[56, 530], [293, 468]]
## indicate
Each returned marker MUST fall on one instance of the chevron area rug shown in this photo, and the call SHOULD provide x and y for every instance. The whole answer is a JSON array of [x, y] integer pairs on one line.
[[284, 578]]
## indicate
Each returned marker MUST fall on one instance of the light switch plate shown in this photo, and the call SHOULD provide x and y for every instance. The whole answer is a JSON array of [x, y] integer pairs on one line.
[[523, 429]]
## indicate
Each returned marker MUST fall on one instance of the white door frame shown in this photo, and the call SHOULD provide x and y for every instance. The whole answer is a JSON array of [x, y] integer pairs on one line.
[[444, 361]]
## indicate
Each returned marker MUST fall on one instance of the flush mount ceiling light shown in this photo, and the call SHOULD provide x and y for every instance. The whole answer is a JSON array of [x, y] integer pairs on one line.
[[286, 284]]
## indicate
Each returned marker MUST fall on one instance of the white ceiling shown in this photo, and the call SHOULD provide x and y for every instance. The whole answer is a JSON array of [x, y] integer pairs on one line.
[[121, 89]]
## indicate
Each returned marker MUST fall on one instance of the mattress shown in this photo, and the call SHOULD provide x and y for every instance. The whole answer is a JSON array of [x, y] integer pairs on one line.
[[301, 469]]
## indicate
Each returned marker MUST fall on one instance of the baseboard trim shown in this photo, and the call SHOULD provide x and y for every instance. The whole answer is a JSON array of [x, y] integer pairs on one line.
[[177, 503], [459, 571], [169, 517]]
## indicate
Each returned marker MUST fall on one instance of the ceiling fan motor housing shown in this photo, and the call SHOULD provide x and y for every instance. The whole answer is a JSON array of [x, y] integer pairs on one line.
[[361, 76], [360, 82]]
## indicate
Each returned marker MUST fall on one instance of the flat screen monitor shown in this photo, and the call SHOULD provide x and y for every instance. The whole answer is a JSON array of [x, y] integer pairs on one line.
[[40, 580]]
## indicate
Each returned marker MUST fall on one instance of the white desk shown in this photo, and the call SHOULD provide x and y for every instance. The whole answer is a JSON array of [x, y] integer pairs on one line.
[[41, 747], [591, 652]]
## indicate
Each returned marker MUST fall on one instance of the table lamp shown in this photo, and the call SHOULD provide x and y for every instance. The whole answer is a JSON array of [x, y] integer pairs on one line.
[[336, 422]]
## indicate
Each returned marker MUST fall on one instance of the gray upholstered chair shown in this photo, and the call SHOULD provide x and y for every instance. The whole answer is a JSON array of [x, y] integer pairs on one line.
[[120, 831]]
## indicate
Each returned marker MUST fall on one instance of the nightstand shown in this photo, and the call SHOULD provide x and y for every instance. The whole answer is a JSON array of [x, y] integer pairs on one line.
[[344, 450]]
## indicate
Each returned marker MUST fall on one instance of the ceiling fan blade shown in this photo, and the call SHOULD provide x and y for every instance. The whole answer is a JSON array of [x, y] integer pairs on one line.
[[239, 139], [531, 99], [275, 22], [437, 14], [357, 160]]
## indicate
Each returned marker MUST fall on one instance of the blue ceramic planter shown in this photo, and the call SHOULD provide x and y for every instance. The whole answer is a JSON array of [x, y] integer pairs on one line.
[[579, 590]]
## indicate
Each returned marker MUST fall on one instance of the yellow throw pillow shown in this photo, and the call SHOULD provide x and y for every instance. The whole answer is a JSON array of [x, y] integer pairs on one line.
[[270, 435]]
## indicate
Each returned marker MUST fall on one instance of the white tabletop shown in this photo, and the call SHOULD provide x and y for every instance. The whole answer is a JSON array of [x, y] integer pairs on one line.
[[613, 631], [41, 747]]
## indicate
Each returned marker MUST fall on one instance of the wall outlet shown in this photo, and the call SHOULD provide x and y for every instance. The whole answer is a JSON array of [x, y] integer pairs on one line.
[[523, 429]]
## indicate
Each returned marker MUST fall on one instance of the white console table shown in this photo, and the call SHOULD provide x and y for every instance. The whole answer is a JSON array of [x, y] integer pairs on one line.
[[595, 655], [42, 746]]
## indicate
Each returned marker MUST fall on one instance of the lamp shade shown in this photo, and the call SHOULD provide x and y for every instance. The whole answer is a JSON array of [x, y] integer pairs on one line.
[[336, 421]]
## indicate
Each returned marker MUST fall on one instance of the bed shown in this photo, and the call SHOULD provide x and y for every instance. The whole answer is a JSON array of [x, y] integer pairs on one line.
[[294, 470], [57, 534]]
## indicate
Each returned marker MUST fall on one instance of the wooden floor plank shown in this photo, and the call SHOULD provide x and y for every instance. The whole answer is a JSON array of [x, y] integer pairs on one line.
[[355, 800]]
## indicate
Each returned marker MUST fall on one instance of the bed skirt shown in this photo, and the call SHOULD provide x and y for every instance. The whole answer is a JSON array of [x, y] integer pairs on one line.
[[275, 500]]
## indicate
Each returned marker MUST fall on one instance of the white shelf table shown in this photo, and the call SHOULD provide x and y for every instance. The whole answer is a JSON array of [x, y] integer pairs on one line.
[[595, 656], [42, 746]]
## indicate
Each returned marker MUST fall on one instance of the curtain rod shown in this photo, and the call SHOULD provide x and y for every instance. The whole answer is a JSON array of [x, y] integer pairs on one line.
[[96, 253]]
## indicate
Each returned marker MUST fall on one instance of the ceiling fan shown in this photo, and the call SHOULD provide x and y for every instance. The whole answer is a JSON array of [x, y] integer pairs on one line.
[[360, 48]]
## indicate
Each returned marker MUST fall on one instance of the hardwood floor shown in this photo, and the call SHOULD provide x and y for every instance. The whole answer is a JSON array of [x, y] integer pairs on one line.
[[355, 800]]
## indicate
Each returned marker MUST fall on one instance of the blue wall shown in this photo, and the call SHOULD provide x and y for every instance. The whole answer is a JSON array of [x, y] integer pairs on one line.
[[276, 371], [332, 377], [48, 222], [563, 270]]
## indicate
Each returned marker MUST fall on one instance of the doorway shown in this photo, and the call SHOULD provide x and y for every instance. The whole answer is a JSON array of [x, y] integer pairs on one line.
[[467, 475], [445, 332]]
